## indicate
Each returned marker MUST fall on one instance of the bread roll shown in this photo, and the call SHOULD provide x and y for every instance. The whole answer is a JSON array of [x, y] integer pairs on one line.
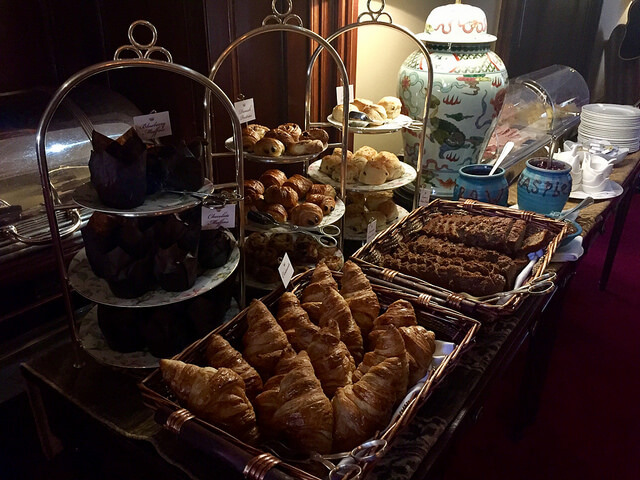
[[273, 177], [269, 147], [306, 215], [292, 129], [305, 147], [392, 106], [286, 196]]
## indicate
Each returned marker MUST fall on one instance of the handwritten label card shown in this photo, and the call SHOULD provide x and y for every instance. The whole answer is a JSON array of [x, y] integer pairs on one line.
[[340, 94], [425, 196], [372, 230], [286, 270], [246, 110], [154, 125], [216, 217]]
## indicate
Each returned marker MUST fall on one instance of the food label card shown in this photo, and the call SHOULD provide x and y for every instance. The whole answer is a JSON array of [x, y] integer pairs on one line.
[[154, 125], [371, 230], [286, 270], [246, 110], [216, 217], [340, 94], [425, 196]]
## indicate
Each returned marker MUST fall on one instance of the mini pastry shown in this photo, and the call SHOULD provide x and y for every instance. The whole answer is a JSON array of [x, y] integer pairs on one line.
[[322, 189], [376, 113], [249, 139], [273, 177], [338, 112], [286, 196], [392, 106], [269, 147], [361, 103], [259, 129], [253, 188], [366, 152], [326, 203], [292, 129], [277, 211], [305, 147], [306, 215], [299, 183], [285, 137], [315, 134]]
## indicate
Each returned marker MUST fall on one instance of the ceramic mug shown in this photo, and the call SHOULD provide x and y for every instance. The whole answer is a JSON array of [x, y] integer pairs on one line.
[[543, 190], [474, 182]]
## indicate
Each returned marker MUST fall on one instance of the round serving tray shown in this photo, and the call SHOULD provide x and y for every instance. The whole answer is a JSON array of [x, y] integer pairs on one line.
[[94, 343], [160, 203], [282, 159], [351, 234], [408, 176], [96, 289], [389, 126]]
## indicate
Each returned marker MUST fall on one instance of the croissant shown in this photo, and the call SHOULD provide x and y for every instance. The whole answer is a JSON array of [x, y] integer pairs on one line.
[[420, 344], [313, 310], [305, 418], [264, 341], [295, 321], [220, 353], [332, 362], [285, 196], [321, 279], [325, 202], [266, 404], [400, 313], [273, 177], [277, 211], [335, 307], [300, 184], [306, 214], [387, 343], [362, 300], [361, 409], [322, 189], [253, 188], [215, 395]]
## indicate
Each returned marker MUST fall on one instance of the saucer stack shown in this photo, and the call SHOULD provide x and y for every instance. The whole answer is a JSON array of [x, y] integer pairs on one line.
[[616, 124]]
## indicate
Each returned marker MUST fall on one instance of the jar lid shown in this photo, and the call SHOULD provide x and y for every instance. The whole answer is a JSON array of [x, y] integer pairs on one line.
[[456, 23]]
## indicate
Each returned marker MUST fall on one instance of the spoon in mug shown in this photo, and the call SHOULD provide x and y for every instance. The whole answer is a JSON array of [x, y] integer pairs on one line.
[[505, 151]]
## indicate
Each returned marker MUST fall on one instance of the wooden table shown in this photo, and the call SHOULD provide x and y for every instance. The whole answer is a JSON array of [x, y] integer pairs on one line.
[[108, 402]]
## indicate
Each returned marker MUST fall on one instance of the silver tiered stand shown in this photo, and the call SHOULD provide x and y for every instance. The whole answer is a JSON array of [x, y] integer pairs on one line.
[[142, 54]]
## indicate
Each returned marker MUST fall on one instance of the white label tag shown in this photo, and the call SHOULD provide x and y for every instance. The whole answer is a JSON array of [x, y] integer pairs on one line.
[[245, 110], [340, 94], [425, 196], [372, 229], [213, 217], [154, 125], [286, 270]]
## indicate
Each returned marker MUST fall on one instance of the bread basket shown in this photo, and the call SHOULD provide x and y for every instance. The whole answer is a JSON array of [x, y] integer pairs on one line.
[[369, 258], [448, 325]]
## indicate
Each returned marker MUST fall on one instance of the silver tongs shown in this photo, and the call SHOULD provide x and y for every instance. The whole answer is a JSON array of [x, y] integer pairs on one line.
[[325, 235]]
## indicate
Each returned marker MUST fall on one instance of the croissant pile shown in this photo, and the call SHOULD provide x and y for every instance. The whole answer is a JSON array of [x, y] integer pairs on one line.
[[295, 199], [366, 166], [322, 373], [286, 139]]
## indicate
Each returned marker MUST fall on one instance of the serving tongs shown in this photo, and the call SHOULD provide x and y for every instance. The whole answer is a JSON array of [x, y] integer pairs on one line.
[[539, 286], [325, 235], [220, 198]]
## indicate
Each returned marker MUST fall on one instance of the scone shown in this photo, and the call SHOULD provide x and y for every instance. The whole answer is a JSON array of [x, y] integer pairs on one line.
[[392, 106]]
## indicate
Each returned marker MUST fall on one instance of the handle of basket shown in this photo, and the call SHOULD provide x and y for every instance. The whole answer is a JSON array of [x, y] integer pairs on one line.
[[250, 466], [12, 231]]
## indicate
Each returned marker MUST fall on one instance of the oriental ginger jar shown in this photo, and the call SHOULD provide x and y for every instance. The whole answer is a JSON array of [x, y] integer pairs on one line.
[[469, 83]]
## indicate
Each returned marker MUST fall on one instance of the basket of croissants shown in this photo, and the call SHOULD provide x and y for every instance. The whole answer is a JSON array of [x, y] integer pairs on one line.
[[295, 199], [326, 366]]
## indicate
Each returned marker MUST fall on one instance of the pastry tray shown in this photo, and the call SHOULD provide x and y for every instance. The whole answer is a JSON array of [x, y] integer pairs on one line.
[[447, 324], [369, 258]]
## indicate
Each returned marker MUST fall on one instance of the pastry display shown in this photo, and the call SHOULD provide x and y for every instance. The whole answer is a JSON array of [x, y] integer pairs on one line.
[[366, 166], [287, 139], [365, 113], [295, 199], [314, 385]]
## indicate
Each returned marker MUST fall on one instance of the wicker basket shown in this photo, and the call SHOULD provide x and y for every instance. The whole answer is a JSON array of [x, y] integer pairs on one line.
[[369, 258], [448, 325]]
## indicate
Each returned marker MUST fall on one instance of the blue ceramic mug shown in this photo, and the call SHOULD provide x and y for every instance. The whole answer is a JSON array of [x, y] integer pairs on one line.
[[474, 182], [544, 190]]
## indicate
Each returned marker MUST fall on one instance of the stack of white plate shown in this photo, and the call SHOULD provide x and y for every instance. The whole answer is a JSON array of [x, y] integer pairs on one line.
[[617, 124]]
